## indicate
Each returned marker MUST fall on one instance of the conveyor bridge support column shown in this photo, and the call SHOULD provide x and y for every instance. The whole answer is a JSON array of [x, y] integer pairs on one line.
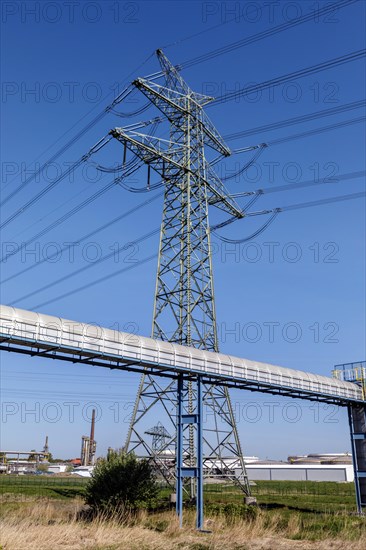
[[357, 421]]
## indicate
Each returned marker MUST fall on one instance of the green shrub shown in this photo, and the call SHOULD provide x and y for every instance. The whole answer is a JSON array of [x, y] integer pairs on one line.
[[120, 482]]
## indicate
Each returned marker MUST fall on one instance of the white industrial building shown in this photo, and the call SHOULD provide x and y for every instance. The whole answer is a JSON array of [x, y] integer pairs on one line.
[[299, 472], [311, 467], [83, 471], [57, 468]]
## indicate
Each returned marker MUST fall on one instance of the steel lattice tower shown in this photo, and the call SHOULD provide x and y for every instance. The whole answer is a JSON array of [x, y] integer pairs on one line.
[[184, 306]]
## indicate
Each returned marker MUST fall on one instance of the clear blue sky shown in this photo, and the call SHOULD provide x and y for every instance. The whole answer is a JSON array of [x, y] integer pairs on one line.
[[311, 291]]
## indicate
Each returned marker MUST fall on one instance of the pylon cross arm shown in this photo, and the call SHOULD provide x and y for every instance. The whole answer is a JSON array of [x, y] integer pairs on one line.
[[151, 151], [174, 104], [148, 152]]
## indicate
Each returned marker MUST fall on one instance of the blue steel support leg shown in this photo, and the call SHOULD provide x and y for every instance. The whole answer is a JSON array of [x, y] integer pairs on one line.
[[179, 457], [199, 454], [357, 421], [354, 460]]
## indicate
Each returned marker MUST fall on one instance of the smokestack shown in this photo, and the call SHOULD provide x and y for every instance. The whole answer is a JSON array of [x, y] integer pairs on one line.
[[93, 443], [92, 429]]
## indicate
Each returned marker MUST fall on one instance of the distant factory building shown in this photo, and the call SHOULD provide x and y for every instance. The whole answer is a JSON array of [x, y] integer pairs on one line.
[[57, 468], [312, 467]]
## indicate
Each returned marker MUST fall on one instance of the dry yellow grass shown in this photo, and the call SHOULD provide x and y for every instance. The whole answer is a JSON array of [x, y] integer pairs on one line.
[[55, 525]]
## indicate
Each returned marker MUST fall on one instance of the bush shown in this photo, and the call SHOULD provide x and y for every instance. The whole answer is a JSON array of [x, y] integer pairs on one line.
[[120, 482]]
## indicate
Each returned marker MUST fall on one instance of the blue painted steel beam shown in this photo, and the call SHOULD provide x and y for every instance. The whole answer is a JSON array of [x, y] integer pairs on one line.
[[199, 502], [354, 462], [189, 419], [179, 451], [357, 422], [189, 472], [185, 471]]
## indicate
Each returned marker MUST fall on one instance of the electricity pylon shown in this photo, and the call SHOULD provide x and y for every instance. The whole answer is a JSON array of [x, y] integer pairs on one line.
[[159, 436], [184, 306]]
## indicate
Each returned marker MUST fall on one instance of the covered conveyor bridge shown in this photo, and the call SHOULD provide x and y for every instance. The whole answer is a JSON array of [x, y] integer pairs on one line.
[[47, 336]]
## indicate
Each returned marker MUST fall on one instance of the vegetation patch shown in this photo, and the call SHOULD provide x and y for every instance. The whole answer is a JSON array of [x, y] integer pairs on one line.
[[231, 511], [121, 483], [288, 517]]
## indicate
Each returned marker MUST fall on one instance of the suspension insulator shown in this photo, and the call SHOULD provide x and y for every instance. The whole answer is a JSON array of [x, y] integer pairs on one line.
[[148, 176]]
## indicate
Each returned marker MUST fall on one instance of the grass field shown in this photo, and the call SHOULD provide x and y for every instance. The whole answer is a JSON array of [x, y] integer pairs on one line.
[[42, 486], [44, 513], [303, 496]]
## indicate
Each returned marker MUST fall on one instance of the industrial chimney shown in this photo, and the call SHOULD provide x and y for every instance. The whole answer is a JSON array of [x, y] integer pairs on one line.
[[92, 443]]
